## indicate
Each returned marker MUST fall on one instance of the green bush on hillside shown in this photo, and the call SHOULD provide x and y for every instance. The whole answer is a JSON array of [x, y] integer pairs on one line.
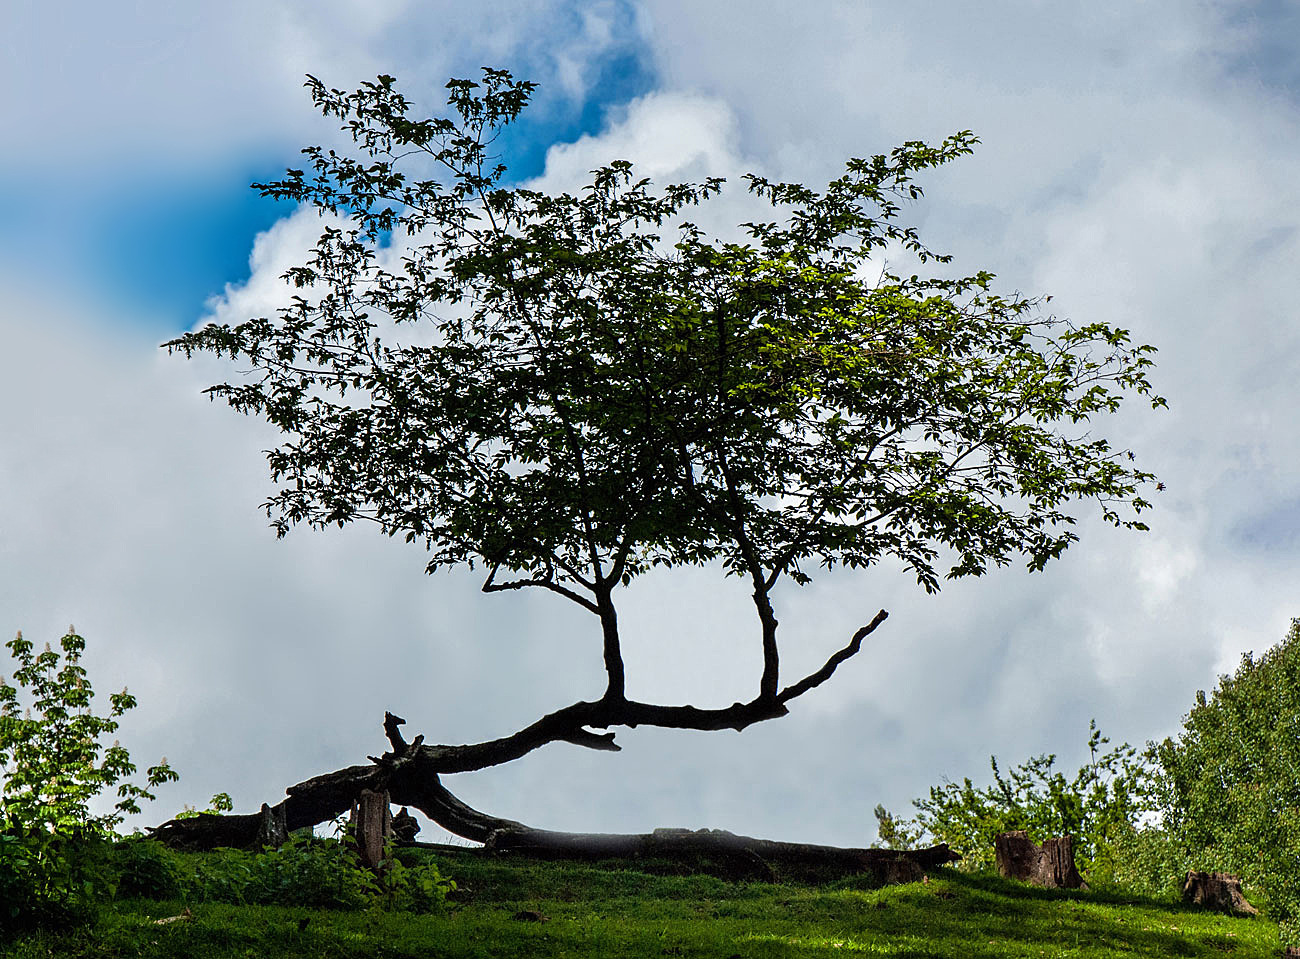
[[305, 871], [1101, 807], [53, 764]]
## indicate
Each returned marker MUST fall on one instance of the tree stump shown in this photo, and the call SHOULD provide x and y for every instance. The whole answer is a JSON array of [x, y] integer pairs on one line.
[[1050, 865], [1216, 890], [372, 826], [271, 829]]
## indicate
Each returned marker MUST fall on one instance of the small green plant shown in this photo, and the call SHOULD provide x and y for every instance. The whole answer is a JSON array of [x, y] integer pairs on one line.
[[52, 846], [146, 869], [319, 874], [218, 804], [1100, 807]]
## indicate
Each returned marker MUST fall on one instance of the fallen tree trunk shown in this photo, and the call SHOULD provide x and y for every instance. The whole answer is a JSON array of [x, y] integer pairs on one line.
[[737, 857], [409, 774]]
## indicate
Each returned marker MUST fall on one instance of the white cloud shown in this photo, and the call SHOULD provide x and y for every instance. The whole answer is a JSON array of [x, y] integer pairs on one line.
[[1125, 169], [99, 89]]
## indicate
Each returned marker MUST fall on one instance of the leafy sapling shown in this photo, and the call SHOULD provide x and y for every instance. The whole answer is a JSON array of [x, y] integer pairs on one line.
[[54, 764]]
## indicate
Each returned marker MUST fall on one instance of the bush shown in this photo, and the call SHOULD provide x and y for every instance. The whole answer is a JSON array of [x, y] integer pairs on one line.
[[146, 869], [1100, 807], [53, 866], [320, 874], [305, 871], [1230, 792]]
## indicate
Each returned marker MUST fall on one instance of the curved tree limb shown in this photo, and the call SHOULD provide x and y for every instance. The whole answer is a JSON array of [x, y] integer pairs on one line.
[[814, 680], [409, 772]]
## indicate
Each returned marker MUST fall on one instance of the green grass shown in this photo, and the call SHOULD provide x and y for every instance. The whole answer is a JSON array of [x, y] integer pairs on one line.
[[604, 911]]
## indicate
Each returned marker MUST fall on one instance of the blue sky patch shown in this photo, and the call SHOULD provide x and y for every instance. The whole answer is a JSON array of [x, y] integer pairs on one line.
[[159, 245]]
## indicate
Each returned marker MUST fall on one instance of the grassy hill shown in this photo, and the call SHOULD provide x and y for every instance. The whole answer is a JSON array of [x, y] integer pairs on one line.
[[510, 907]]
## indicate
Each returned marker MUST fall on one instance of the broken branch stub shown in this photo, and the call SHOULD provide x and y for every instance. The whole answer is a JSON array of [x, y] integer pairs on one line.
[[371, 827]]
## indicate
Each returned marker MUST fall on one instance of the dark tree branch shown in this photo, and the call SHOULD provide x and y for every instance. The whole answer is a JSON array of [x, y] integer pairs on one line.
[[412, 784], [489, 586], [816, 679]]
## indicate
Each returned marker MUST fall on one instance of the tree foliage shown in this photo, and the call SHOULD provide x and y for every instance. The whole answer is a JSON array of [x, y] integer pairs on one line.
[[1231, 797], [573, 388]]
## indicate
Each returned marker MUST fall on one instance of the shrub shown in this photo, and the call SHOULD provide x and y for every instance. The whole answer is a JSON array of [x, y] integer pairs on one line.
[[220, 803], [419, 888], [320, 874], [1100, 807], [146, 869], [52, 847], [305, 871]]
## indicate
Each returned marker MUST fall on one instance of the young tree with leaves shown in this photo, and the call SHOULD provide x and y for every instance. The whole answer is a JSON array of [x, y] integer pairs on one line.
[[568, 390]]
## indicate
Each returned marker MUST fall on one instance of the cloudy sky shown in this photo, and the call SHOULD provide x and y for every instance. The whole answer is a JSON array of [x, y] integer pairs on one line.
[[1139, 161]]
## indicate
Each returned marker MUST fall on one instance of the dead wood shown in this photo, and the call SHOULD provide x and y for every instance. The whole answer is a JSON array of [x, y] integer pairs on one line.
[[371, 826], [409, 775]]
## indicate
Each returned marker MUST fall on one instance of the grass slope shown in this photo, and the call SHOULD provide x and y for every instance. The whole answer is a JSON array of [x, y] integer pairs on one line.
[[508, 908]]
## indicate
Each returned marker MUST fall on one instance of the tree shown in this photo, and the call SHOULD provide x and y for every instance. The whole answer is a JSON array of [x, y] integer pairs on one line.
[[567, 390], [1230, 796]]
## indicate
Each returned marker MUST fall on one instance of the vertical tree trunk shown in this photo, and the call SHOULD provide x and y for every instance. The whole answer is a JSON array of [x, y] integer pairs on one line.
[[372, 826], [1056, 868]]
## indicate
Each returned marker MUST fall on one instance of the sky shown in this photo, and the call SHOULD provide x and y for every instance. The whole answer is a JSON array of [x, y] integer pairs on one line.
[[1140, 162]]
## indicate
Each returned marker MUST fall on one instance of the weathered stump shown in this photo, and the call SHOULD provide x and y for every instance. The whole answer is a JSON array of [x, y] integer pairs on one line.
[[1220, 891], [405, 827], [1050, 865], [372, 826]]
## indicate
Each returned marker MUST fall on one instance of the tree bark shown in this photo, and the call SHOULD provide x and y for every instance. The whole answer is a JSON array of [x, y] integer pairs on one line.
[[409, 776], [372, 826], [271, 827], [412, 785], [738, 857], [1216, 890]]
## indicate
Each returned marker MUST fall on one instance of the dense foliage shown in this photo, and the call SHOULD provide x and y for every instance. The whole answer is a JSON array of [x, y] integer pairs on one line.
[[54, 764], [1231, 778], [573, 388]]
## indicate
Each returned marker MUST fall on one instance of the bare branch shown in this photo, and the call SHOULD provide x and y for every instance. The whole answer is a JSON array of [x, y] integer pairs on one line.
[[816, 679], [491, 587]]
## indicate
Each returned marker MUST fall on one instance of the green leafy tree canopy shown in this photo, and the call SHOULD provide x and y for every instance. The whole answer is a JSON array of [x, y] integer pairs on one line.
[[570, 389]]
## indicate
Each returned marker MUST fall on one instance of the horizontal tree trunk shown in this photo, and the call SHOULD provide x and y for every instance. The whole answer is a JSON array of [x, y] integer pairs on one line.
[[410, 776], [737, 857], [410, 771]]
